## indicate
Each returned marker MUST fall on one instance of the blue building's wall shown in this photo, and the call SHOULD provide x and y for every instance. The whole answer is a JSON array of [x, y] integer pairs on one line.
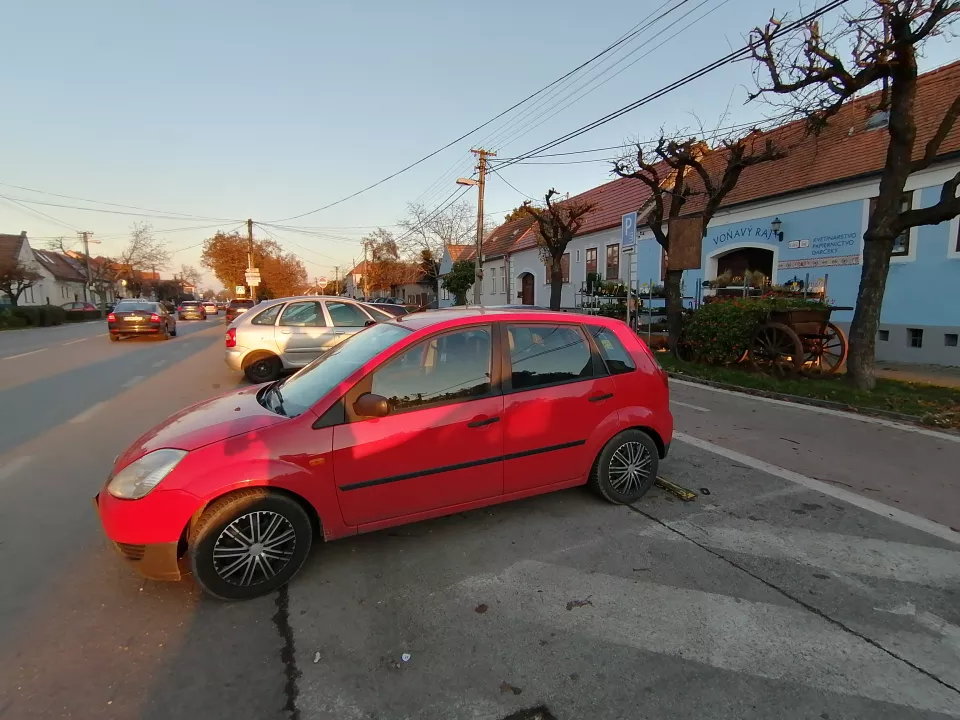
[[922, 288]]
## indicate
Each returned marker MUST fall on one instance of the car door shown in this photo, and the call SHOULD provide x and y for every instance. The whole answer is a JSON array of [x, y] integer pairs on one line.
[[302, 333], [557, 394], [440, 445], [347, 319]]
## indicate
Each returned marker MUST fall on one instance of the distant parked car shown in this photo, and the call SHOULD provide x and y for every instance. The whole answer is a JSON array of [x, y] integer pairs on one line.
[[236, 308], [141, 317], [78, 306], [211, 307], [191, 310], [395, 310], [289, 333]]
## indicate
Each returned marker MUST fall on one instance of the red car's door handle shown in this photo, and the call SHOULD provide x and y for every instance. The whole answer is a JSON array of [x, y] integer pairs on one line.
[[598, 398], [480, 422]]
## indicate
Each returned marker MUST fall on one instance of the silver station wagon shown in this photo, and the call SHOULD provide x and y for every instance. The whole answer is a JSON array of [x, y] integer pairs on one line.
[[287, 334]]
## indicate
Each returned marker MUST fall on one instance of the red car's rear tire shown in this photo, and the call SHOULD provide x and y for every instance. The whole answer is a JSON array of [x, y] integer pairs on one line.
[[249, 543], [626, 467]]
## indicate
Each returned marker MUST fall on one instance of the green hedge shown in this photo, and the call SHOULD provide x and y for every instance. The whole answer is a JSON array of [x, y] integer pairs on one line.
[[10, 320], [73, 316], [41, 315], [720, 332]]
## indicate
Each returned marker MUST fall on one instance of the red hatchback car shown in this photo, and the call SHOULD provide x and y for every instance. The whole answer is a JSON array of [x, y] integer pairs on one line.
[[429, 414]]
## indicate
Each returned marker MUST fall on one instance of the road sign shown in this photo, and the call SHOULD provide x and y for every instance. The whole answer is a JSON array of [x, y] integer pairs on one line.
[[628, 232], [240, 289], [322, 282], [252, 276]]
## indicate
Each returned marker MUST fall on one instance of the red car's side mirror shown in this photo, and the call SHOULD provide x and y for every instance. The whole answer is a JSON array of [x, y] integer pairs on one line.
[[370, 405]]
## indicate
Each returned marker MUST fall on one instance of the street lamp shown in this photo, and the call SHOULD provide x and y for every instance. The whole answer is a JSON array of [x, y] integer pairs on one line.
[[775, 226]]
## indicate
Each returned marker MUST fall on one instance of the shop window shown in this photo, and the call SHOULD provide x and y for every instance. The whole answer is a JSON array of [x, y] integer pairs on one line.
[[901, 245], [915, 337]]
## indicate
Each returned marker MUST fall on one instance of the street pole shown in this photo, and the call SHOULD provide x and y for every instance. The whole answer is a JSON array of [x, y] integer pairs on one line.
[[336, 278], [366, 268], [250, 255], [481, 184], [86, 254]]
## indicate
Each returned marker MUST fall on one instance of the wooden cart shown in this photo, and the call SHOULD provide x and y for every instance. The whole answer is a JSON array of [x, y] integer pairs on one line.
[[801, 339]]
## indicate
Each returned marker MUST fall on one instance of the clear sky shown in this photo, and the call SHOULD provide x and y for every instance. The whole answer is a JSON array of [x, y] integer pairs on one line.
[[241, 109]]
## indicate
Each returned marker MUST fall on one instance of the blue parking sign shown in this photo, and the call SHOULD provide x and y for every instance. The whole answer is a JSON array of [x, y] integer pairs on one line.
[[628, 231]]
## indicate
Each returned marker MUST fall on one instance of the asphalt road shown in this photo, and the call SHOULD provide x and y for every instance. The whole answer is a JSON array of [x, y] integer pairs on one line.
[[817, 579]]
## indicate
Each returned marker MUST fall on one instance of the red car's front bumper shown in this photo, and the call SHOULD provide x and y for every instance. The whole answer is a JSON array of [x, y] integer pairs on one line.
[[153, 560]]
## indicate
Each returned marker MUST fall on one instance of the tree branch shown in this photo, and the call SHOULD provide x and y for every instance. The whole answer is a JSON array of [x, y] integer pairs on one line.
[[947, 208], [933, 145]]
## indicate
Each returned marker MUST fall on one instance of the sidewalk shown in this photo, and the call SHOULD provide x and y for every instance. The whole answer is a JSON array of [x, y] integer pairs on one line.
[[942, 375]]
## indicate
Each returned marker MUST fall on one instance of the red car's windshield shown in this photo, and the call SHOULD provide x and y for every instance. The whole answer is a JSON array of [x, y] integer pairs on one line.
[[302, 391]]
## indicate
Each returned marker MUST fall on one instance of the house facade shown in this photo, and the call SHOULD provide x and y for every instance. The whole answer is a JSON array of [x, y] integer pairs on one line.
[[800, 219], [452, 254], [61, 280]]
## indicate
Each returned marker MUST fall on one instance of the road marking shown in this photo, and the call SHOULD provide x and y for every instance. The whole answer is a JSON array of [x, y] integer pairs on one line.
[[688, 405], [11, 468], [878, 508], [847, 554], [103, 334], [131, 382], [826, 411], [773, 641], [73, 342], [32, 352], [88, 413], [159, 363]]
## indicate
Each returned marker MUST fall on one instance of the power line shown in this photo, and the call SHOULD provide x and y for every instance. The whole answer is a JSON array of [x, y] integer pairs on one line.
[[38, 212], [511, 184], [110, 212], [726, 60], [467, 134], [184, 216]]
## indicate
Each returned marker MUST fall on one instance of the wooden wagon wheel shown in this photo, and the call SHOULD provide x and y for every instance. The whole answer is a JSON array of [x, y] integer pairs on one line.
[[825, 353], [776, 349]]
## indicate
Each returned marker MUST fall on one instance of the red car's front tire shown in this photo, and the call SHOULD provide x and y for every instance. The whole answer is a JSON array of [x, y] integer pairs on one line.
[[249, 543]]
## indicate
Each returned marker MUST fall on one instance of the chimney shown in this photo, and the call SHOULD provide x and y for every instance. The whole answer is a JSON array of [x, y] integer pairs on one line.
[[23, 234]]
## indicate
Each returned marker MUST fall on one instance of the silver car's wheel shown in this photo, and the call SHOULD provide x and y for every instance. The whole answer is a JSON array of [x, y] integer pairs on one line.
[[254, 548], [626, 468]]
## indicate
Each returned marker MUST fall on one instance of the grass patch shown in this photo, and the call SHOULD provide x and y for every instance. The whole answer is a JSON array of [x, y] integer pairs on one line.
[[931, 404]]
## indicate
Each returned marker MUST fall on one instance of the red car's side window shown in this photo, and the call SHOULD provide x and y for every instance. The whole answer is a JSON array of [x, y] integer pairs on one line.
[[614, 354], [444, 368], [542, 354]]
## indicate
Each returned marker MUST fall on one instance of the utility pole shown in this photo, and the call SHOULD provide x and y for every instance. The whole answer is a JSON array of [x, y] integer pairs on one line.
[[336, 278], [250, 255], [366, 268], [481, 183], [86, 256]]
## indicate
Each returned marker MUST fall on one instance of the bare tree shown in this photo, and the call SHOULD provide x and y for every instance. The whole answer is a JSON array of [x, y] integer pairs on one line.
[[817, 72], [190, 275], [676, 171], [383, 267], [431, 231], [558, 223], [16, 278], [143, 251]]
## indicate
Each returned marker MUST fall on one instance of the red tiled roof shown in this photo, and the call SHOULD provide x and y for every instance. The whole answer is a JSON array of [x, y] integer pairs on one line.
[[60, 266], [845, 149], [462, 252], [504, 237], [10, 247]]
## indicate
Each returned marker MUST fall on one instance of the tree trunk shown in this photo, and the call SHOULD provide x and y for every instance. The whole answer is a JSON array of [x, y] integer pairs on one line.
[[861, 362], [556, 283], [674, 307]]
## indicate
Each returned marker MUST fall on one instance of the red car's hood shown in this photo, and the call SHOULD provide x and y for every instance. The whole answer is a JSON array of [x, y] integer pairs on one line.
[[204, 423]]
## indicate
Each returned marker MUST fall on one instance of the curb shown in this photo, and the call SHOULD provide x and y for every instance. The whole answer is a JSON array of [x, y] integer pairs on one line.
[[801, 400]]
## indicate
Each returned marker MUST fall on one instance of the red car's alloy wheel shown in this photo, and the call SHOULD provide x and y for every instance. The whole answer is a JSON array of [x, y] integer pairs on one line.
[[254, 548]]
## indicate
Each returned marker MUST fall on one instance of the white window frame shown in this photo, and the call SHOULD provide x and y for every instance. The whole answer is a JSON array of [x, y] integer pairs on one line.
[[953, 239], [493, 281], [444, 294]]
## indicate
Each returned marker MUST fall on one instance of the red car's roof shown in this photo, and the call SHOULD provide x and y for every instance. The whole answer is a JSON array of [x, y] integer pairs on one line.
[[462, 315]]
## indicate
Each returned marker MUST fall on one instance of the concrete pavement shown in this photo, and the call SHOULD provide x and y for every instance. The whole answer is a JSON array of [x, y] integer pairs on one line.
[[765, 598]]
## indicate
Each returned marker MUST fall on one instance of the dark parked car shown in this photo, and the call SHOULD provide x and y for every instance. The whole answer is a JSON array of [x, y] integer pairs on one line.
[[235, 308], [191, 310], [395, 310], [141, 317]]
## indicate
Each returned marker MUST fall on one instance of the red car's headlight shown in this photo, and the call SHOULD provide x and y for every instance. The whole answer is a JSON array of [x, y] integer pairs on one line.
[[141, 476]]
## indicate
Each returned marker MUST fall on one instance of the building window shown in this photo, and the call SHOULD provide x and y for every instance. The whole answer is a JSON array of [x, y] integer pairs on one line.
[[444, 294], [578, 256], [503, 280], [915, 337], [591, 255], [883, 335], [564, 268], [901, 246], [613, 262], [950, 339], [493, 280]]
